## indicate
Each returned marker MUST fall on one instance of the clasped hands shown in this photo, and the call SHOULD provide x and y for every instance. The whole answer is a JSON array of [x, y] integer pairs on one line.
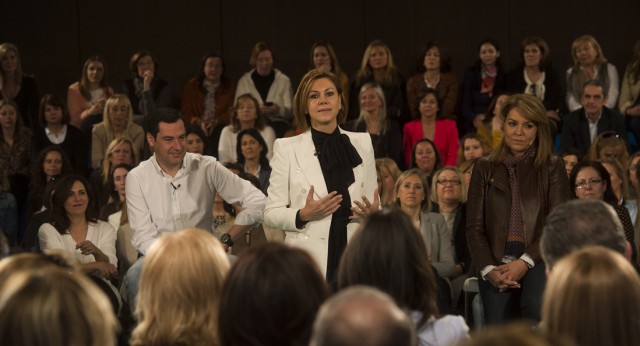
[[317, 209], [507, 275]]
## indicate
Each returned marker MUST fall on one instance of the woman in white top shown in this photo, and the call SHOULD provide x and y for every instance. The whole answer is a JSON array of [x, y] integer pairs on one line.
[[247, 114], [589, 63], [73, 229], [387, 253]]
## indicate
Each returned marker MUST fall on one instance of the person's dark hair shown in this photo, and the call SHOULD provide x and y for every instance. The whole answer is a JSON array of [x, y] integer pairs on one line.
[[270, 297], [59, 217], [161, 115], [445, 57], [492, 106], [609, 196], [112, 184], [264, 162], [200, 78], [545, 59], [133, 63], [38, 182], [397, 265], [579, 223], [568, 152], [422, 94], [594, 82], [495, 45], [53, 101], [435, 149]]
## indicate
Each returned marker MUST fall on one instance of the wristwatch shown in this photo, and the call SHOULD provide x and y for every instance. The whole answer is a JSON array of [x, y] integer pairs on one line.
[[226, 239]]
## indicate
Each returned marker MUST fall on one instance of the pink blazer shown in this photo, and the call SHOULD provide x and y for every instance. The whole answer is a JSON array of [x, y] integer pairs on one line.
[[445, 138]]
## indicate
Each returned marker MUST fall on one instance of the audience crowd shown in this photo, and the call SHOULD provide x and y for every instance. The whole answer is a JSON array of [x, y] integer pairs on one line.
[[139, 217]]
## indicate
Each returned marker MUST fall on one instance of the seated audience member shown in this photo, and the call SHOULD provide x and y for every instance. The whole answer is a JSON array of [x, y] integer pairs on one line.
[[609, 145], [270, 297], [30, 239], [269, 87], [15, 155], [412, 196], [8, 208], [629, 101], [55, 130], [536, 76], [361, 315], [431, 125], [385, 132], [449, 195], [581, 127], [577, 224], [434, 72], [119, 151], [377, 66], [145, 90], [632, 170], [86, 97], [389, 172], [593, 298], [207, 99], [620, 187], [116, 196], [472, 146], [180, 290], [246, 114], [51, 164], [490, 124], [426, 157], [17, 86], [74, 231], [482, 81], [252, 151], [58, 308], [196, 141], [125, 252], [590, 180], [571, 157], [399, 266], [117, 122], [590, 63], [323, 57]]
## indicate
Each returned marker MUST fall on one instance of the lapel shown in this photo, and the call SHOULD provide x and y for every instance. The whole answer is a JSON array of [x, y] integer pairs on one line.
[[584, 131], [604, 124], [309, 165]]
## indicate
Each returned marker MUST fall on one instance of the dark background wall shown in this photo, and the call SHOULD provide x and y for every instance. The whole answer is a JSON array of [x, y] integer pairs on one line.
[[55, 37]]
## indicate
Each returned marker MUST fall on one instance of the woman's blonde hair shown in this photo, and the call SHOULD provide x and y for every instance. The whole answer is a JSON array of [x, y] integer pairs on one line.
[[593, 297], [113, 100], [106, 161], [59, 308], [609, 139], [532, 109], [365, 72], [425, 205], [300, 111], [17, 77], [626, 192], [382, 112], [393, 169], [600, 59], [434, 184], [180, 288]]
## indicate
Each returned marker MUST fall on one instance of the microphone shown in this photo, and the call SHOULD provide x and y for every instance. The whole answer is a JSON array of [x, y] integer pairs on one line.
[[175, 187]]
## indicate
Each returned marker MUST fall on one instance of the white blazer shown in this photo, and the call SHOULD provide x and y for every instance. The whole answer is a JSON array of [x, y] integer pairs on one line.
[[294, 168]]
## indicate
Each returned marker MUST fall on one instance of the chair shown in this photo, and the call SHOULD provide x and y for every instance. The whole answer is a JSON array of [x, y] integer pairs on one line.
[[471, 286]]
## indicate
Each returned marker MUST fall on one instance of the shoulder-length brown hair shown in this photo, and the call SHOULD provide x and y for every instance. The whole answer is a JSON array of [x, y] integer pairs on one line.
[[300, 112], [532, 110], [83, 86]]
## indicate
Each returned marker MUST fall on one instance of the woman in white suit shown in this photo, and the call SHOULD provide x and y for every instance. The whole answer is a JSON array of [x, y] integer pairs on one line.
[[318, 175]]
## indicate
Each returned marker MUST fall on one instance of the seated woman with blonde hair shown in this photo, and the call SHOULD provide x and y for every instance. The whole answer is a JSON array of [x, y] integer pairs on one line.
[[180, 287], [593, 298]]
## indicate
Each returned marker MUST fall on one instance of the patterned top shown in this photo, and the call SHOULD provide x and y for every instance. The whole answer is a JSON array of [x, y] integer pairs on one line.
[[15, 158]]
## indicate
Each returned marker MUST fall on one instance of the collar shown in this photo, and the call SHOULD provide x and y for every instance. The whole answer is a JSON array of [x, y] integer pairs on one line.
[[597, 119], [183, 169]]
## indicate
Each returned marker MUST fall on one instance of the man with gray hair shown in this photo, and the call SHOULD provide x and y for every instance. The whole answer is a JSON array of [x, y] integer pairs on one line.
[[579, 223], [361, 315]]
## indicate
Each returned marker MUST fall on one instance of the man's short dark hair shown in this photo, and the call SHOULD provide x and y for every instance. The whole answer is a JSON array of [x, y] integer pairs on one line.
[[579, 223], [594, 82], [164, 115]]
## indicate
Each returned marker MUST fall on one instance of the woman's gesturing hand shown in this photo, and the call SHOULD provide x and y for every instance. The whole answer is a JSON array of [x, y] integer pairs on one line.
[[320, 208], [365, 207]]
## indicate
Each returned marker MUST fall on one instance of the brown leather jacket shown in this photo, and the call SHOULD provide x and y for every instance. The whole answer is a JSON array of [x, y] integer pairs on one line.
[[489, 206]]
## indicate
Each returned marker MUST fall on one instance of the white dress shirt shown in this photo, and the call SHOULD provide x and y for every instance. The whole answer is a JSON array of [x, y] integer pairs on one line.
[[101, 234], [158, 203]]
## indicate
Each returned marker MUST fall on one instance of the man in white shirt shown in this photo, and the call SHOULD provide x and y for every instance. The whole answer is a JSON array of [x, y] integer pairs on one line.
[[174, 190]]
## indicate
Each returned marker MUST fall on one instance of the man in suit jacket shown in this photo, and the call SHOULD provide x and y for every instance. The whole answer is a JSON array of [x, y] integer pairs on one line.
[[582, 126]]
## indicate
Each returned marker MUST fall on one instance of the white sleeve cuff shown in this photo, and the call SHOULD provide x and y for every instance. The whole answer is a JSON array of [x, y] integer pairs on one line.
[[486, 271], [528, 260]]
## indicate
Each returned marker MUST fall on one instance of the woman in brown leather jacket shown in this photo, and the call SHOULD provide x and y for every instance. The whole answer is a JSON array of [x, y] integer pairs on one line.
[[503, 235]]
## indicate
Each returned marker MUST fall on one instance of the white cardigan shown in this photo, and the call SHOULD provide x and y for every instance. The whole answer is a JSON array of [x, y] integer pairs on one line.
[[280, 92]]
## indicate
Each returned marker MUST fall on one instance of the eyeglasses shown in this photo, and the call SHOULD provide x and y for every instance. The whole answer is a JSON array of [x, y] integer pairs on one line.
[[582, 184], [445, 182]]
